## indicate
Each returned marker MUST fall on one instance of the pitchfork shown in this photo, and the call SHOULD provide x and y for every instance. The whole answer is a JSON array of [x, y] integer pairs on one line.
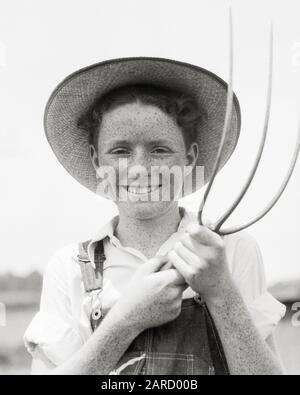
[[217, 227]]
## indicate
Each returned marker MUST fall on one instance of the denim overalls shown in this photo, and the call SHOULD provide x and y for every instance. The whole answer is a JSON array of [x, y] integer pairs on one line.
[[189, 345]]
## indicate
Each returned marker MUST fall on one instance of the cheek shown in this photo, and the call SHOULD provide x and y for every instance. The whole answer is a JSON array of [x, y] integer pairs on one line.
[[107, 177], [176, 166], [112, 164], [106, 160]]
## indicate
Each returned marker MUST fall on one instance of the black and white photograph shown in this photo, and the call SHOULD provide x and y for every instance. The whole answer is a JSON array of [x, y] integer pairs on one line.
[[149, 216]]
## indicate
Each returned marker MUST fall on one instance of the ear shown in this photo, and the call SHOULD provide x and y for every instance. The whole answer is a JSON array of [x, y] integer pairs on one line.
[[94, 157], [192, 154], [191, 158]]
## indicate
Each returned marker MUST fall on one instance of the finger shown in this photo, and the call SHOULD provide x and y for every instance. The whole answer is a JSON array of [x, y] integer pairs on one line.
[[154, 264], [194, 246], [180, 289], [167, 266], [170, 276], [203, 235], [182, 266], [186, 254]]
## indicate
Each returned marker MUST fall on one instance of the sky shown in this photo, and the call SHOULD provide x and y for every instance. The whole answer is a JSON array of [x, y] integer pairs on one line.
[[42, 208]]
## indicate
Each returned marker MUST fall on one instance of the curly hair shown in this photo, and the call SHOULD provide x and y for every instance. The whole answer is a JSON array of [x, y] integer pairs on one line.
[[181, 107]]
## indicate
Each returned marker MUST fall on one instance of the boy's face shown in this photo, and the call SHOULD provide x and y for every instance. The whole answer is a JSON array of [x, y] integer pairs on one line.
[[138, 145]]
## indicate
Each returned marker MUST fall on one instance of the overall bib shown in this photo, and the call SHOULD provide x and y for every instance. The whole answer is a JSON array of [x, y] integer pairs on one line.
[[188, 345]]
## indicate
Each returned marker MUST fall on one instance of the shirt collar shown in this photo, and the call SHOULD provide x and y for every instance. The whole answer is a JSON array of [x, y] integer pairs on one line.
[[108, 229]]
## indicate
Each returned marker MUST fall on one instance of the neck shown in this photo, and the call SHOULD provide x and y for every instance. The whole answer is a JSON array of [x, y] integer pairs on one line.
[[147, 235]]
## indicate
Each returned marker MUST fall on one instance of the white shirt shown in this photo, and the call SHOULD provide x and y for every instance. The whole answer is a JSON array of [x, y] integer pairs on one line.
[[62, 325]]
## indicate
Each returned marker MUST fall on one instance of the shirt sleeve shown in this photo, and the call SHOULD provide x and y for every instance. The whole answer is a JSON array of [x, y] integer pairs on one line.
[[249, 274], [52, 330]]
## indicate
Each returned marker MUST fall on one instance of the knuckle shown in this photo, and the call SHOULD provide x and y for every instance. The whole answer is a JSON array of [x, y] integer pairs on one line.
[[178, 246], [191, 275], [213, 256], [220, 244], [197, 260], [193, 228], [171, 254], [186, 239]]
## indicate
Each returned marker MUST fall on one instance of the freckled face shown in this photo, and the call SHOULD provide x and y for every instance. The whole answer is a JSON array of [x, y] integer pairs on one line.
[[145, 136]]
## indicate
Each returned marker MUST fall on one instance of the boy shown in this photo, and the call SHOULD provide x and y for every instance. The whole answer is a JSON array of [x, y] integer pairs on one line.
[[153, 292]]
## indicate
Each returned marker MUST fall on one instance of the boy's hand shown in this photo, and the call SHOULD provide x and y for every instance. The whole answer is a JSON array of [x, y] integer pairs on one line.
[[201, 259], [152, 297]]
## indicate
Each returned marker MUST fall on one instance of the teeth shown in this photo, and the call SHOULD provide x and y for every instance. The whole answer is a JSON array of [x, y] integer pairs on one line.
[[141, 190]]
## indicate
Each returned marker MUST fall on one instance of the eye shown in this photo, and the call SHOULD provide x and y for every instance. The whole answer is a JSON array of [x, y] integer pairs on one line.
[[120, 151], [160, 150]]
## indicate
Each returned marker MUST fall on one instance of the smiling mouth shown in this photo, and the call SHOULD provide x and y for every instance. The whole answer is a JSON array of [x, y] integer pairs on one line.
[[142, 190]]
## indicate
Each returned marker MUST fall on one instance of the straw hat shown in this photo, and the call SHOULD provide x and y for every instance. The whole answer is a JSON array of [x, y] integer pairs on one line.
[[79, 91]]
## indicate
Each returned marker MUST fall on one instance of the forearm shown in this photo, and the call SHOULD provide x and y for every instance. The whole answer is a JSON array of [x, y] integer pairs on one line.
[[100, 354], [246, 351]]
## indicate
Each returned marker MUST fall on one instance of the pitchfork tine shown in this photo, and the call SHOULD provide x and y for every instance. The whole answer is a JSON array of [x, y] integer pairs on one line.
[[227, 125], [274, 200], [249, 180]]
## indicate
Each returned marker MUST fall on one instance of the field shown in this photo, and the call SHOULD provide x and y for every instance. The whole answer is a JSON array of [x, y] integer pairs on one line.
[[14, 359]]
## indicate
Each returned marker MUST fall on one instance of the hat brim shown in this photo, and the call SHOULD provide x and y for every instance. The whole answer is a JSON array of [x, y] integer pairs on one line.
[[77, 93]]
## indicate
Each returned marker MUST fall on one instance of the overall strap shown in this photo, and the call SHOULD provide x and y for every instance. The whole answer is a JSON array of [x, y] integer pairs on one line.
[[92, 277]]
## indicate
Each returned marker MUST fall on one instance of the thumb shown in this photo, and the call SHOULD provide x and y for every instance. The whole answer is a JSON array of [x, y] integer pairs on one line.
[[154, 264], [202, 234]]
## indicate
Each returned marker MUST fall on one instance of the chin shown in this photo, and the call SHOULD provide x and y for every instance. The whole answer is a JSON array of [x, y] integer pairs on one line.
[[145, 210]]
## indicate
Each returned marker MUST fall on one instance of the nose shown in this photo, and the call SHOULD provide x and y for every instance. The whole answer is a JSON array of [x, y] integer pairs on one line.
[[139, 165], [140, 157]]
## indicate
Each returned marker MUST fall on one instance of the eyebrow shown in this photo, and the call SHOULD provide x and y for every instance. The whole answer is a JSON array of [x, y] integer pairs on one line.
[[161, 142], [126, 142], [118, 142]]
